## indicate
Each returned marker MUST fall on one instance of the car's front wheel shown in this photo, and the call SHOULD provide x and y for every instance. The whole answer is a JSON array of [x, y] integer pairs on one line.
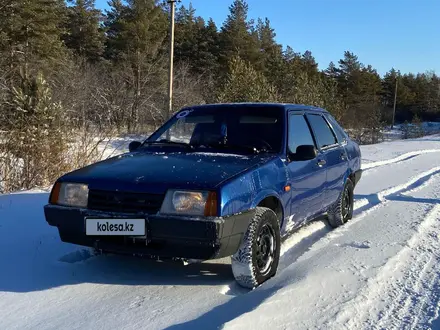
[[342, 210], [258, 256]]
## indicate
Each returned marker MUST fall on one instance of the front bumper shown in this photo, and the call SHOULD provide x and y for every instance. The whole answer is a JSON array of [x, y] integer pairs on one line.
[[167, 236]]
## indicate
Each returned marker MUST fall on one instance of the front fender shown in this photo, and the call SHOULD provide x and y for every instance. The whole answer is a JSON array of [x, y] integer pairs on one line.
[[270, 193], [248, 190], [264, 194]]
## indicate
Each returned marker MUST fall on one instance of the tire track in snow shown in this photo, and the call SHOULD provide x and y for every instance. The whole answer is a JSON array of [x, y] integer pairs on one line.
[[403, 157], [362, 207], [317, 235], [322, 283], [378, 200], [365, 205], [406, 288]]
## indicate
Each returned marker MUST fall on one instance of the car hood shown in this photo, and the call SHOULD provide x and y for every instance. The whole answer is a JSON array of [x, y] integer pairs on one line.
[[156, 172]]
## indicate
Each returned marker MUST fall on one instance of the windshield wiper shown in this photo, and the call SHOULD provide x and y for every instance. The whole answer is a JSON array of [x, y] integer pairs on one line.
[[183, 144]]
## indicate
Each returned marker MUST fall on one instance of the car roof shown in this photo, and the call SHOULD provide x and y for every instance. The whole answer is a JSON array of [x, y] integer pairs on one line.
[[283, 106]]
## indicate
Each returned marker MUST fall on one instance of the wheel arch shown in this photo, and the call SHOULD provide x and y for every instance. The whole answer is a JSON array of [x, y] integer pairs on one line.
[[272, 201]]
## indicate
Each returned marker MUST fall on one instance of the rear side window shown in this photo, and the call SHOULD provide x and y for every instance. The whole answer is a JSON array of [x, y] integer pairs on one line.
[[299, 132], [323, 133], [340, 133]]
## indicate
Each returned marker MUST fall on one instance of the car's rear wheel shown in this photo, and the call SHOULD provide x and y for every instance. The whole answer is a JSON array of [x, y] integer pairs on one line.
[[258, 256], [342, 210]]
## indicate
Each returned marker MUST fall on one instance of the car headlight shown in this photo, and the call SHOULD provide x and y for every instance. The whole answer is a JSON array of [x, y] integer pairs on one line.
[[70, 194], [201, 203]]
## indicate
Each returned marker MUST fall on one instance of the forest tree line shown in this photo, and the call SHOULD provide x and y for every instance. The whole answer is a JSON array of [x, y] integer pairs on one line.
[[69, 69]]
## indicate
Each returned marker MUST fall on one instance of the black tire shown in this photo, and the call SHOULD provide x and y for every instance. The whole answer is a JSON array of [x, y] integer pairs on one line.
[[342, 210], [258, 256]]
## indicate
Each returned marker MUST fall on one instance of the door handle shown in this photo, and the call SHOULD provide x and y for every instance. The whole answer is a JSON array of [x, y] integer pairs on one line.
[[343, 156], [321, 162]]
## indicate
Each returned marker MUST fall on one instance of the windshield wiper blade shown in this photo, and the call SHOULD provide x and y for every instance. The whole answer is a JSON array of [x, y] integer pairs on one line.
[[177, 143]]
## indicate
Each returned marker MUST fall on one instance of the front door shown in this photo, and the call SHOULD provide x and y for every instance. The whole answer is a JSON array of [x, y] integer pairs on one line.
[[336, 158], [306, 178]]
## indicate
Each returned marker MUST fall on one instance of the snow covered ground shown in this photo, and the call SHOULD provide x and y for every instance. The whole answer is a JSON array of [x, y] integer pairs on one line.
[[380, 271], [429, 127]]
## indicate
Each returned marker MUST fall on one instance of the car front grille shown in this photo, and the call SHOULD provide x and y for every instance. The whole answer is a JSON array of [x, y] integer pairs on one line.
[[116, 201]]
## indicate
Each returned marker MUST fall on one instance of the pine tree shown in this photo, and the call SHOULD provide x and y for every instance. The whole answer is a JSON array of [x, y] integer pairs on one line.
[[422, 88], [113, 23], [389, 87], [136, 30], [208, 50], [371, 91], [245, 84], [350, 63], [31, 33], [34, 117], [309, 64], [361, 88], [331, 98], [433, 109], [271, 63], [418, 130], [186, 34], [136, 34], [331, 71], [357, 83], [348, 74], [238, 36], [299, 80], [388, 92], [83, 32], [266, 37]]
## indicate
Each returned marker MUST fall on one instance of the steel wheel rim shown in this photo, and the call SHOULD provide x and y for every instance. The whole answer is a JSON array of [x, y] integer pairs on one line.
[[265, 249]]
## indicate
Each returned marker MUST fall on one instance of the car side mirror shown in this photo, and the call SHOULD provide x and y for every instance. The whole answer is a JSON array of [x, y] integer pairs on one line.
[[134, 145], [304, 152]]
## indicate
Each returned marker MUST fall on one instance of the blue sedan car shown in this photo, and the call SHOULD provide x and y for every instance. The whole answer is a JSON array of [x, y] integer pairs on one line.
[[214, 181]]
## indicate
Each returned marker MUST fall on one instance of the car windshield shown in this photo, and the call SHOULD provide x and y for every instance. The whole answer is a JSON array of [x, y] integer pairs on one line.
[[233, 128]]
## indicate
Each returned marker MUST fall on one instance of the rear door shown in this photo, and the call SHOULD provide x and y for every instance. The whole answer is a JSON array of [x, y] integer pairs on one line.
[[335, 154], [306, 178]]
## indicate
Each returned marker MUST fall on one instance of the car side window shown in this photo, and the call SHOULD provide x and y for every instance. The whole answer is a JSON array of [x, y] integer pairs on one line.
[[340, 133], [322, 130], [299, 132]]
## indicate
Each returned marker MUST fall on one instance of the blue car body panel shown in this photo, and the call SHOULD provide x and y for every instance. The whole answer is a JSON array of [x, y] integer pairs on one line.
[[246, 191], [155, 171], [303, 189], [308, 182]]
